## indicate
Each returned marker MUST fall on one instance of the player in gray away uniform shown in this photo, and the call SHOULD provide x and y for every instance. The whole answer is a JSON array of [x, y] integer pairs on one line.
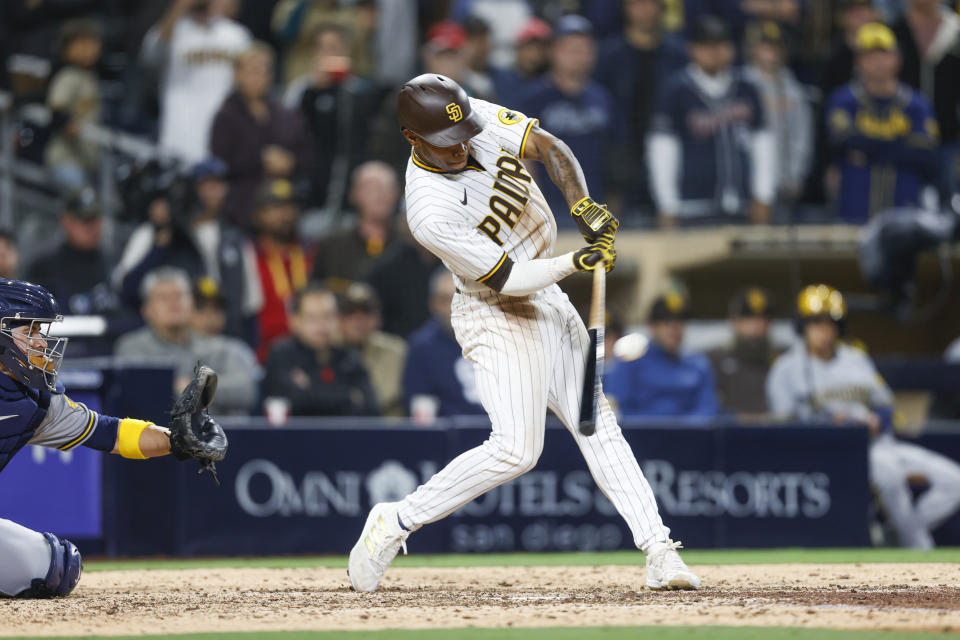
[[823, 380], [473, 204], [35, 410]]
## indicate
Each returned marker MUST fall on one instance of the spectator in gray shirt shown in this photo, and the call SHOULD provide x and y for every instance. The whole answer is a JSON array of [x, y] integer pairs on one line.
[[789, 115], [168, 339]]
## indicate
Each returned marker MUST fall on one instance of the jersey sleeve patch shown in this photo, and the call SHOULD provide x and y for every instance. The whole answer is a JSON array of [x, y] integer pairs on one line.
[[509, 116]]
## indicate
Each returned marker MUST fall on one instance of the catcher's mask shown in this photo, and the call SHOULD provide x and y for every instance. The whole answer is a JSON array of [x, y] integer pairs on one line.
[[27, 349]]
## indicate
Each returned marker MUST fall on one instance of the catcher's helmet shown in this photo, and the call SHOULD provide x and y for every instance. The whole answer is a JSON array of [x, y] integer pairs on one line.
[[437, 109], [821, 301], [30, 305]]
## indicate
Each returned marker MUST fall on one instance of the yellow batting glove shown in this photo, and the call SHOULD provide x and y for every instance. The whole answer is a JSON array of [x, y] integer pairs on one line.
[[601, 251], [593, 219]]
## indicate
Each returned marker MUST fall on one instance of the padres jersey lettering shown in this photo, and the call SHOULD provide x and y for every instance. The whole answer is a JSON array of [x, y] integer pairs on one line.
[[505, 213], [507, 209]]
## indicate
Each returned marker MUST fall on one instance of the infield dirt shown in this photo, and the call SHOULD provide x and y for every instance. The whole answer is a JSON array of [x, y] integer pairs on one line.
[[841, 596]]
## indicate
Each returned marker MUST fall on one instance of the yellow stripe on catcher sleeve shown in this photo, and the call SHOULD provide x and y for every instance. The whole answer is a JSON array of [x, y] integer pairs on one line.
[[82, 436], [490, 273], [128, 438]]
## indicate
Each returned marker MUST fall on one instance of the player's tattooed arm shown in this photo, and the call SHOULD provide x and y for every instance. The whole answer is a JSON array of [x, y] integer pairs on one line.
[[562, 166], [592, 218]]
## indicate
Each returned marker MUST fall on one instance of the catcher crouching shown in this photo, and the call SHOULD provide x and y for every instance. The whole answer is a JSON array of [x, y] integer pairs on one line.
[[34, 409]]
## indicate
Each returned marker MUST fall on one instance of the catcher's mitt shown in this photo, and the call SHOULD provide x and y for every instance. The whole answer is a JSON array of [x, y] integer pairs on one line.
[[193, 433]]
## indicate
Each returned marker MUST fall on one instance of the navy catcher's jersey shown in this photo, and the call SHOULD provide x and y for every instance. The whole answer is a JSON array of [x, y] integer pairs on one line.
[[714, 136], [37, 416]]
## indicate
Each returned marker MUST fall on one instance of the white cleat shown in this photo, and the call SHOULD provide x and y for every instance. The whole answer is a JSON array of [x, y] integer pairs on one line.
[[666, 570], [378, 545]]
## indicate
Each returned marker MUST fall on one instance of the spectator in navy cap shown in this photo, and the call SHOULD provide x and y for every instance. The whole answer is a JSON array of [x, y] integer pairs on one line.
[[76, 271], [664, 381], [576, 109]]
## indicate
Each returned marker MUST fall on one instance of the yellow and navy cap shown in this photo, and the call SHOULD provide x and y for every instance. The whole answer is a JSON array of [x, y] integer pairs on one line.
[[752, 302], [821, 300], [670, 306], [207, 293], [875, 36], [276, 191], [767, 32]]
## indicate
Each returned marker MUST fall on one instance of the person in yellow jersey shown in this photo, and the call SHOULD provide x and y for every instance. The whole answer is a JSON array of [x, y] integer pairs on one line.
[[883, 134]]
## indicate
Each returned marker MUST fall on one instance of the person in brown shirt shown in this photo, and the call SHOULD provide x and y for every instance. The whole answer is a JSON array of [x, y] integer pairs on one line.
[[741, 367]]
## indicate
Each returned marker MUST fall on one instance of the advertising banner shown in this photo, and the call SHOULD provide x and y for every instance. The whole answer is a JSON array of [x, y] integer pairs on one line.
[[308, 490]]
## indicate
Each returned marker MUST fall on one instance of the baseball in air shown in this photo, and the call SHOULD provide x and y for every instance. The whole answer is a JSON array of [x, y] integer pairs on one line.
[[630, 347]]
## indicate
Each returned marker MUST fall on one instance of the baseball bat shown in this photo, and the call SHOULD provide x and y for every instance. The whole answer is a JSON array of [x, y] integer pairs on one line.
[[593, 373]]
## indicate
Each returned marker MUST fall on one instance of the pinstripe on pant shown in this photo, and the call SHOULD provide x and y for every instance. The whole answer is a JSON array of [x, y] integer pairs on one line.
[[528, 355]]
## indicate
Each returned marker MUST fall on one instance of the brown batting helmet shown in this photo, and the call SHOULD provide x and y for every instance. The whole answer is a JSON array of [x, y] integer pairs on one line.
[[437, 109]]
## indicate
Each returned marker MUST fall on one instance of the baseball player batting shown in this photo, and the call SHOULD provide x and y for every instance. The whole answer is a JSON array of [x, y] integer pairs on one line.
[[472, 203], [35, 410]]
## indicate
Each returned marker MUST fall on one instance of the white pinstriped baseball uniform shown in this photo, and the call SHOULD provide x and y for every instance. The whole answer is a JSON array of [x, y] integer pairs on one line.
[[528, 352]]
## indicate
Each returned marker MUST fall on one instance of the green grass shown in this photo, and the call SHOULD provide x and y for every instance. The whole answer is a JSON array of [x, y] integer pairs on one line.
[[693, 557], [600, 633]]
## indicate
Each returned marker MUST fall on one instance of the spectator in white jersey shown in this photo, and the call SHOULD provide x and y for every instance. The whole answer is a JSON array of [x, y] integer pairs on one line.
[[195, 44], [823, 380]]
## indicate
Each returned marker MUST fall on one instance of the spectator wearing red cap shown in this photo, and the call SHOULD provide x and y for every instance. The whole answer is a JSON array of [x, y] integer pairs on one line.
[[443, 53], [533, 50]]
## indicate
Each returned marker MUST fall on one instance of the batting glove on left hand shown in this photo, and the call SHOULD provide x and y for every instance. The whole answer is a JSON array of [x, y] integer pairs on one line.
[[601, 251]]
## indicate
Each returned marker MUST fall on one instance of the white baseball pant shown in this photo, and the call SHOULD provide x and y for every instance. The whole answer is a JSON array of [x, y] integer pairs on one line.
[[528, 354]]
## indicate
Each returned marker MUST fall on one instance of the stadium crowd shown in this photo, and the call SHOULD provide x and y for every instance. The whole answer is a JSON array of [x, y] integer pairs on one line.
[[269, 241]]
